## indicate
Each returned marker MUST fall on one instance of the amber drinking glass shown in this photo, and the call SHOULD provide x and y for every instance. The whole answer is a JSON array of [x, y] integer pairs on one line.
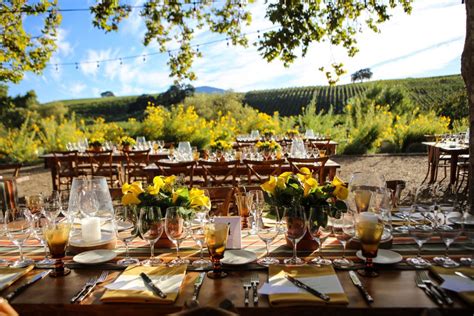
[[216, 239], [369, 230], [57, 237]]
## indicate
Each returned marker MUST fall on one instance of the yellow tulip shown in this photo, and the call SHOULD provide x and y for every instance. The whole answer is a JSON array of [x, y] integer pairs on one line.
[[194, 192], [170, 180], [135, 187], [201, 200], [177, 194], [285, 176], [130, 199], [341, 192], [270, 185], [158, 183], [337, 182], [310, 184]]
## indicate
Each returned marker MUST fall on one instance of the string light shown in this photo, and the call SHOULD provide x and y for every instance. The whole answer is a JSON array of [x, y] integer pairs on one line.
[[98, 64], [121, 62]]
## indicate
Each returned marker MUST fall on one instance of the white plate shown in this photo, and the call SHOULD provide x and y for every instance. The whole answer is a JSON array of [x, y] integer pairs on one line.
[[95, 256], [237, 257], [384, 256], [459, 220], [76, 239]]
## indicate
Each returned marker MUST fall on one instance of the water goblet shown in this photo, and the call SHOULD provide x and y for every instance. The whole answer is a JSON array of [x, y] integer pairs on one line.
[[197, 233], [216, 239], [320, 229], [176, 230], [18, 226], [3, 262], [150, 226], [343, 229], [256, 203], [369, 231], [362, 200], [267, 234], [448, 234], [421, 234], [296, 224], [57, 237], [38, 233], [126, 222]]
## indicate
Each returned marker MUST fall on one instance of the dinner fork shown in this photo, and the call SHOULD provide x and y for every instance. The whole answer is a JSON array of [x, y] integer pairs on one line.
[[88, 284], [103, 276], [254, 281], [442, 293], [427, 290], [247, 285]]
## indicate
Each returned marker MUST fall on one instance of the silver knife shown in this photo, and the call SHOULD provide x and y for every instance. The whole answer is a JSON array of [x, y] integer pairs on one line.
[[358, 284], [462, 275], [23, 287], [197, 285], [151, 286], [309, 289]]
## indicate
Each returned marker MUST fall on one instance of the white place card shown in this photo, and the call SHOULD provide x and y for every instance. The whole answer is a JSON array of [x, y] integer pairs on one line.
[[234, 240]]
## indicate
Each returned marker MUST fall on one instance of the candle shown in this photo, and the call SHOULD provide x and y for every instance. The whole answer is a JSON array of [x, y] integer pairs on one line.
[[91, 229]]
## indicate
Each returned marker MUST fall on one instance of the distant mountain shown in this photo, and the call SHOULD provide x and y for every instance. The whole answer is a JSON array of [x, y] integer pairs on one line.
[[207, 89]]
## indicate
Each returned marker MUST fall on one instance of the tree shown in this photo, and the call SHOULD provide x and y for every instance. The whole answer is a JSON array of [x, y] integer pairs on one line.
[[361, 75]]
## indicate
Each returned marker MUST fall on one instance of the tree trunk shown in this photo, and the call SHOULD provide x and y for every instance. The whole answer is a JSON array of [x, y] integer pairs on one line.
[[467, 70]]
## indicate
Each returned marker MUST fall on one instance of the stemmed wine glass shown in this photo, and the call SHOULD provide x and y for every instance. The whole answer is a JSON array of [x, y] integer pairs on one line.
[[405, 206], [216, 239], [150, 226], [267, 235], [343, 229], [448, 234], [369, 231], [126, 222], [319, 231], [175, 227], [197, 233], [257, 203], [421, 234], [39, 234], [296, 224], [57, 237], [3, 262], [18, 229], [34, 204]]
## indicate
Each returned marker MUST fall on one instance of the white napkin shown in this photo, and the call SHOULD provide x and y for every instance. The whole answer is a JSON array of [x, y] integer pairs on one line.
[[280, 285], [167, 284], [456, 283]]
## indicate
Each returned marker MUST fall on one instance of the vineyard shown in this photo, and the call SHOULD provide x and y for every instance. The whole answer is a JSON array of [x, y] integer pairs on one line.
[[428, 93]]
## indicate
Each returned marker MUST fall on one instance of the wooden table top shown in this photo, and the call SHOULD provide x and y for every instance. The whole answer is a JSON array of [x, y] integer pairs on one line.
[[449, 147]]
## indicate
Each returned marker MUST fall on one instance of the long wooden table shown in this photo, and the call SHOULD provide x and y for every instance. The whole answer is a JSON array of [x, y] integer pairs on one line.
[[394, 290]]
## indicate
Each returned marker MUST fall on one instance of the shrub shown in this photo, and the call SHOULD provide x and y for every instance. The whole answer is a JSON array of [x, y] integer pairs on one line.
[[19, 145]]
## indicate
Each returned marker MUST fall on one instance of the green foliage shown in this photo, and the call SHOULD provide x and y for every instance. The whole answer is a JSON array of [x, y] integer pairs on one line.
[[361, 74], [19, 145]]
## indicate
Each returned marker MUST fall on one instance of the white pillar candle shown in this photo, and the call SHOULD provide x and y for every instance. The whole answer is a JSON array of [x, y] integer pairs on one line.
[[91, 229], [368, 219]]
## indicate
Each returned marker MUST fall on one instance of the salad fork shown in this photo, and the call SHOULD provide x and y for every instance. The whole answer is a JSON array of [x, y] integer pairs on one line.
[[88, 284], [427, 290], [103, 276], [254, 281], [247, 285], [435, 288]]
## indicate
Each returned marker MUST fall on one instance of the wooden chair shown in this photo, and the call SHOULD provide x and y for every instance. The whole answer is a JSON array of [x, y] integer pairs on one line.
[[184, 169], [221, 199], [101, 165], [315, 165], [259, 171], [8, 194], [219, 173], [321, 144], [136, 162], [66, 164], [14, 167]]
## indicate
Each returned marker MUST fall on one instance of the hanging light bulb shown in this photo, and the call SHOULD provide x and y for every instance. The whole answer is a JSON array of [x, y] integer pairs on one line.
[[57, 69], [121, 62], [77, 66], [98, 64]]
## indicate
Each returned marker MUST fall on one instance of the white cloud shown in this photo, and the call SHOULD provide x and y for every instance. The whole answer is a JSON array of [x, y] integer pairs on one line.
[[64, 47], [77, 88]]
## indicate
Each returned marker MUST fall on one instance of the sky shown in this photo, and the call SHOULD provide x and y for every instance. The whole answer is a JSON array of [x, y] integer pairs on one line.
[[429, 42]]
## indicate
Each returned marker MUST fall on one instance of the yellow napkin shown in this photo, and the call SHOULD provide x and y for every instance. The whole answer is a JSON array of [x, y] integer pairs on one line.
[[9, 275], [468, 297], [129, 287], [275, 272]]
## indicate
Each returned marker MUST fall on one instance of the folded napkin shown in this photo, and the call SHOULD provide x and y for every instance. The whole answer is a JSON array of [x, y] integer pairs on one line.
[[453, 282], [129, 286], [282, 292], [9, 275]]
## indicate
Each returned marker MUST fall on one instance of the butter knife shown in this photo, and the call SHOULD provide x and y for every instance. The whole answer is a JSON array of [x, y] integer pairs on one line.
[[197, 285], [151, 286], [358, 284], [305, 287], [23, 287], [462, 275]]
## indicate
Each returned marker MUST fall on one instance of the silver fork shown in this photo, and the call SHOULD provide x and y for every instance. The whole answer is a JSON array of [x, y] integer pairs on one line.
[[435, 288], [427, 290], [254, 281], [88, 284], [247, 285], [103, 276]]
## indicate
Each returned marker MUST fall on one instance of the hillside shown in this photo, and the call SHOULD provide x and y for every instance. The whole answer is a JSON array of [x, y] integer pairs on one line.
[[427, 92]]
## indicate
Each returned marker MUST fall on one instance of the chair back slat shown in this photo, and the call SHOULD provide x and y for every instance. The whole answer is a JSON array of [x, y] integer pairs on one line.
[[261, 170], [185, 169], [315, 165], [219, 173]]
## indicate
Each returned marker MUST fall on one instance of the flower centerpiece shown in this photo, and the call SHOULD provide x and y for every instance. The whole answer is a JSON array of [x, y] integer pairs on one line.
[[127, 142], [292, 133], [290, 189], [219, 146], [268, 147], [96, 143]]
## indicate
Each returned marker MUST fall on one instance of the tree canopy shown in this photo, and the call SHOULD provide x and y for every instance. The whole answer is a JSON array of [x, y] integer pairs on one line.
[[297, 25], [361, 74]]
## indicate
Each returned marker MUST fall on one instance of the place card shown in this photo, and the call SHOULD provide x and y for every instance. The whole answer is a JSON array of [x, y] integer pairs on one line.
[[234, 240]]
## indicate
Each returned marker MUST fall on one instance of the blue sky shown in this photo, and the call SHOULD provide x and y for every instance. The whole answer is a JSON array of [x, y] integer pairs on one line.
[[429, 42]]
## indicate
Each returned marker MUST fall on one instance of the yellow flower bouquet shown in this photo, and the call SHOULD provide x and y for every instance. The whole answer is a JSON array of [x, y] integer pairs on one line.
[[221, 145], [272, 146], [165, 192], [289, 189]]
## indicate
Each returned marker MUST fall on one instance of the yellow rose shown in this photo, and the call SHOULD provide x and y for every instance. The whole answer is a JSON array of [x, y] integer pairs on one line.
[[130, 198], [270, 185], [310, 184], [158, 183]]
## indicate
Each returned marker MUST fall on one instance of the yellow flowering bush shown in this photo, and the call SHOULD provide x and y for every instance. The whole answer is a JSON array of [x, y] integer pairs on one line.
[[55, 133], [19, 145], [302, 188]]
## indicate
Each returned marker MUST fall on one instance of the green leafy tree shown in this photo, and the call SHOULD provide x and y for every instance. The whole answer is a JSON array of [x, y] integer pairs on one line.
[[361, 74]]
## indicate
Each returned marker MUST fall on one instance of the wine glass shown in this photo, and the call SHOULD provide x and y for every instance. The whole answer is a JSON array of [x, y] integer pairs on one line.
[[197, 233], [343, 229], [126, 222], [3, 262], [175, 227], [469, 232], [216, 239], [421, 234], [202, 212], [362, 200], [257, 203], [448, 234], [404, 206], [296, 223], [35, 204], [150, 226], [369, 231], [18, 226], [242, 207], [52, 207], [267, 234], [39, 234], [320, 231], [57, 237]]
